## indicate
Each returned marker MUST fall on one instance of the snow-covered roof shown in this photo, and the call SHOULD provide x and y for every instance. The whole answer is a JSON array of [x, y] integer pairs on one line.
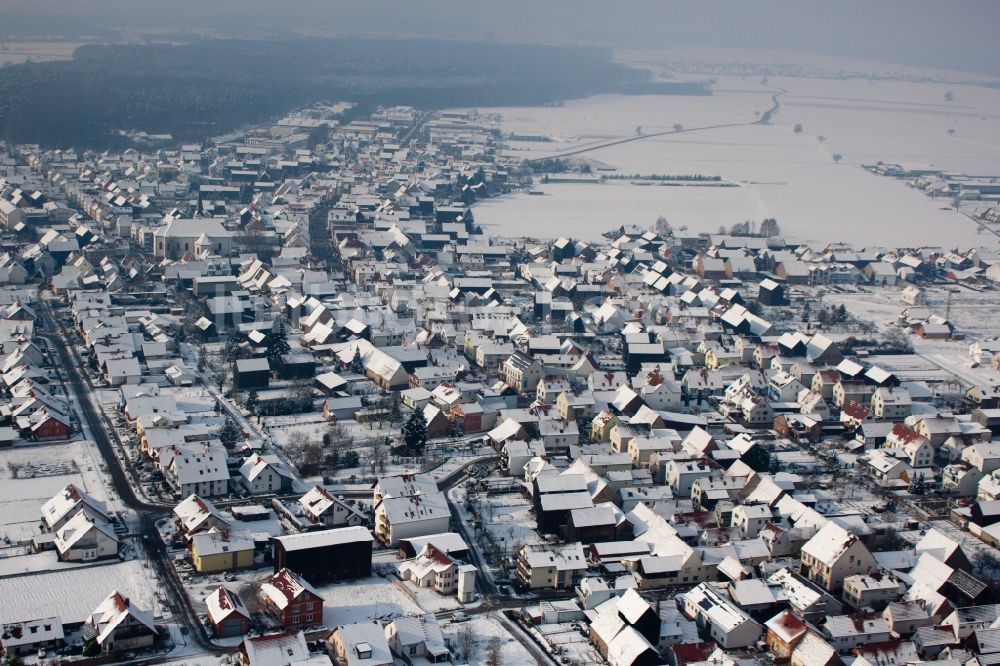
[[285, 587], [68, 500], [224, 602], [277, 649], [324, 538], [367, 638], [78, 527], [114, 610]]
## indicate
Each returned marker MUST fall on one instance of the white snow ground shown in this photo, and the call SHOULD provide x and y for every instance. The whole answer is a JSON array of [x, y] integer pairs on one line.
[[787, 175]]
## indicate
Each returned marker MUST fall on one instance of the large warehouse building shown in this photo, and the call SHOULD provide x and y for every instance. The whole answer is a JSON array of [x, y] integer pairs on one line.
[[325, 555]]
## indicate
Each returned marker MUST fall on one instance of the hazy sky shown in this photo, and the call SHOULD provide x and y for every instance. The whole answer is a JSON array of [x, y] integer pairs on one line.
[[953, 34]]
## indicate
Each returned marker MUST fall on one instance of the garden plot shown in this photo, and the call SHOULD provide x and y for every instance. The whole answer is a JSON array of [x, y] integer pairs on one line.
[[483, 628], [31, 475], [570, 646], [509, 520], [431, 601]]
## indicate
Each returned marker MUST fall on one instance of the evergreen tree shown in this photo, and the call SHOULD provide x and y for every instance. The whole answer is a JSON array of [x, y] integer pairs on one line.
[[277, 342], [252, 401], [357, 363], [229, 434], [415, 432], [395, 415], [202, 359], [232, 350]]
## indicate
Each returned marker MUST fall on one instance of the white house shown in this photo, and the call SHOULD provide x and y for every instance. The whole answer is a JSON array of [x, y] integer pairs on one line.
[[727, 623], [417, 515], [891, 404], [750, 519], [360, 644], [322, 508], [69, 501], [118, 625], [984, 456], [432, 568], [179, 237], [84, 538], [194, 514], [417, 638], [873, 590], [551, 566], [265, 474], [196, 468], [832, 554]]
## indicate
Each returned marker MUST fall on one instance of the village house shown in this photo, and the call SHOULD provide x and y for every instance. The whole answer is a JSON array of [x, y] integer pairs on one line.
[[625, 630], [265, 474], [212, 552], [117, 625], [194, 514], [875, 590], [293, 602], [285, 648], [411, 516], [320, 507], [784, 631], [417, 638], [227, 613], [436, 569], [196, 469], [832, 555], [522, 373], [68, 502], [360, 644], [550, 566], [726, 623], [84, 538]]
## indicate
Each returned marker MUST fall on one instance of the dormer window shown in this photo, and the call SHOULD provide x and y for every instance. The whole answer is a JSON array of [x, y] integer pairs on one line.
[[363, 650]]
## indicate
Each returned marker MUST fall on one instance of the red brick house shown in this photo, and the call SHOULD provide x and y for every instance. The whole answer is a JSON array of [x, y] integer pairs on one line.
[[784, 631], [468, 417], [43, 425], [292, 601]]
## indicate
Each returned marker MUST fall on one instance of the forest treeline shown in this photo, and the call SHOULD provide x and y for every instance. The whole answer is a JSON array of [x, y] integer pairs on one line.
[[209, 87]]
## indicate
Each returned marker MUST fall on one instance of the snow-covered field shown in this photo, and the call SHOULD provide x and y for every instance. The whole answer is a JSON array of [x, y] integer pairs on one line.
[[53, 467], [510, 520], [784, 174], [431, 601], [484, 628], [73, 594], [592, 209], [974, 314], [365, 599]]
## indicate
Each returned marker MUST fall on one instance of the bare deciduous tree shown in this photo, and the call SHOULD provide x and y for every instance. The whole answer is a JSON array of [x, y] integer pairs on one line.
[[467, 644], [305, 454], [493, 651]]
